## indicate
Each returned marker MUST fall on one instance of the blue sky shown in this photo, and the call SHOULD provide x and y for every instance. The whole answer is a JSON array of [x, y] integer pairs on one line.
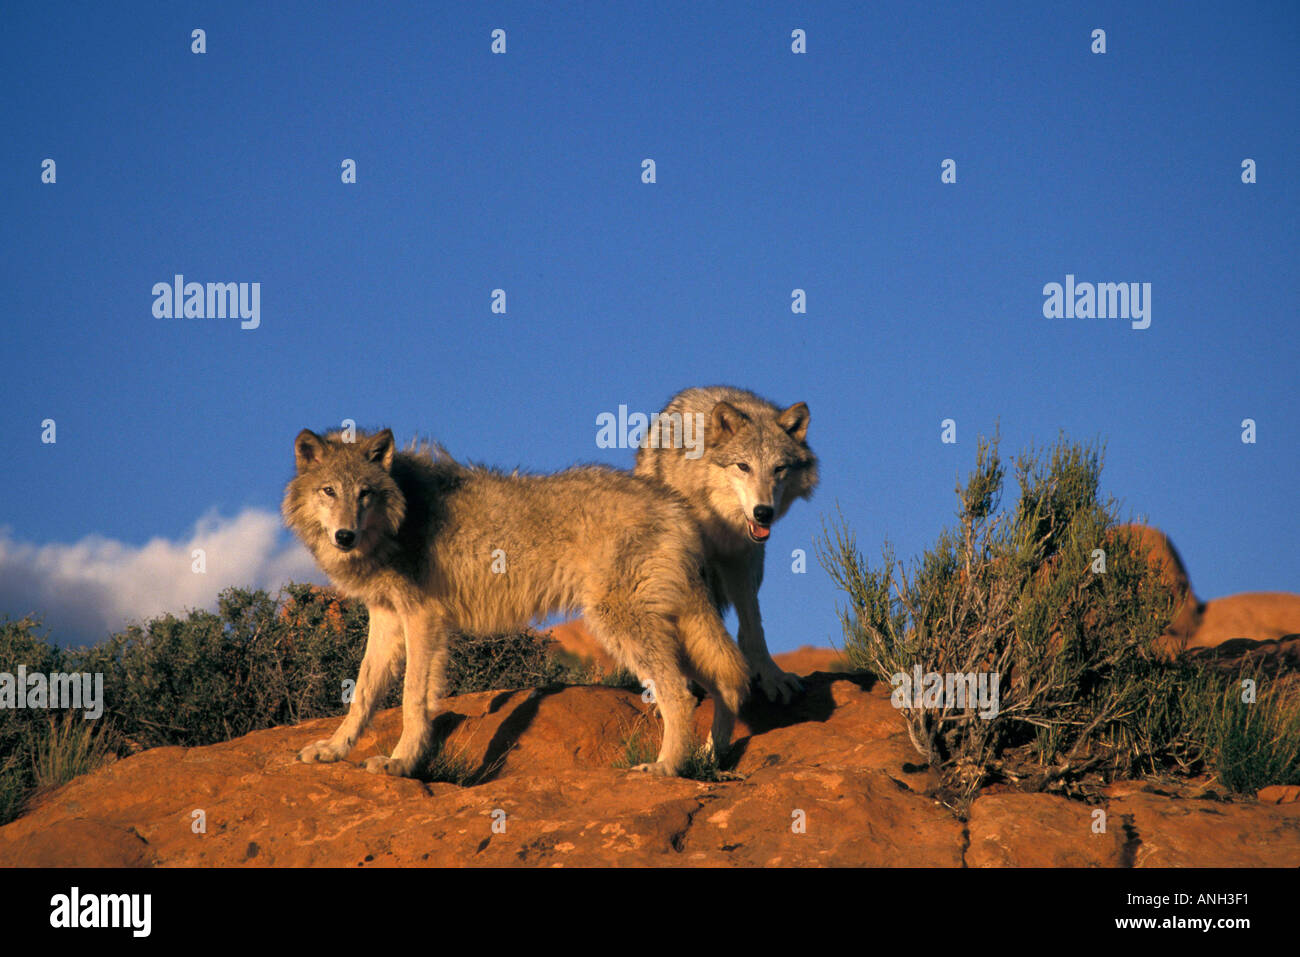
[[522, 171]]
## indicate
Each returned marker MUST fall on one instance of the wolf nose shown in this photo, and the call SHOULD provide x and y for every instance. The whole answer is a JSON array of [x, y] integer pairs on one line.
[[763, 514], [345, 538]]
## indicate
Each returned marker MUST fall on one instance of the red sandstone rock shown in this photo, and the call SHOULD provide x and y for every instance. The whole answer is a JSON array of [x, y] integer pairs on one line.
[[831, 780]]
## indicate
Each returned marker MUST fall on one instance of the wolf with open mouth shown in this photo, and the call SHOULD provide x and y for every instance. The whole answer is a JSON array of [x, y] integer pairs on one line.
[[756, 463]]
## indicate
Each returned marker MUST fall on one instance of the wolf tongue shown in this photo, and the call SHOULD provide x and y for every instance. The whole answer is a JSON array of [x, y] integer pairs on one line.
[[759, 532]]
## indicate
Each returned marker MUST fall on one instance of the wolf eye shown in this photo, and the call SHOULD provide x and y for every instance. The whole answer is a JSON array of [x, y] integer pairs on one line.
[[742, 466], [364, 494], [328, 490], [780, 469]]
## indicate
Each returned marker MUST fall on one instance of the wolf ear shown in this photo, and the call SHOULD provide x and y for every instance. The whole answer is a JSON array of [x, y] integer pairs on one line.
[[307, 449], [726, 420], [795, 421], [379, 448]]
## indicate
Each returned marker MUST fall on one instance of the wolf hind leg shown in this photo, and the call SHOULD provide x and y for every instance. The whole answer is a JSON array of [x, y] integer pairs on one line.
[[436, 683], [741, 581], [716, 663], [385, 650], [724, 718], [646, 643]]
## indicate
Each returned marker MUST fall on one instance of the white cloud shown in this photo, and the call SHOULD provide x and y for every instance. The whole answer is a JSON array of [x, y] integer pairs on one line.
[[88, 589]]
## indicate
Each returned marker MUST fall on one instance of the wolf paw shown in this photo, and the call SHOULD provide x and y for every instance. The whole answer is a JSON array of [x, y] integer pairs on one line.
[[658, 769], [382, 764], [776, 683], [321, 752]]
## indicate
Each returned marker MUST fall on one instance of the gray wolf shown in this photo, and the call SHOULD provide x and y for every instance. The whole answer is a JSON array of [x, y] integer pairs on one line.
[[756, 464], [434, 547]]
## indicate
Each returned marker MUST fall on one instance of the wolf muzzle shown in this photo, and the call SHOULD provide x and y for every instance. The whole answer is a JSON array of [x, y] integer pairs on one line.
[[759, 525]]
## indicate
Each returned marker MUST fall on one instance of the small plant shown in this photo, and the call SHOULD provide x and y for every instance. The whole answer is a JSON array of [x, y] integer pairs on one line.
[[1253, 744], [24, 732], [71, 747], [15, 789], [449, 765], [500, 662], [571, 669], [448, 762], [641, 742], [702, 764], [1061, 604]]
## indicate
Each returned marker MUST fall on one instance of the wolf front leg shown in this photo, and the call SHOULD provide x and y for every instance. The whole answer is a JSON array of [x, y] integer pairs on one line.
[[426, 663], [385, 649], [741, 580]]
